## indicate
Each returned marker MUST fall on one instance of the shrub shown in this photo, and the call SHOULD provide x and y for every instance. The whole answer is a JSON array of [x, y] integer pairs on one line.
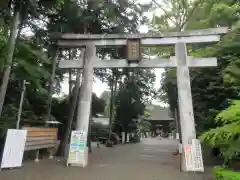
[[224, 174], [226, 136]]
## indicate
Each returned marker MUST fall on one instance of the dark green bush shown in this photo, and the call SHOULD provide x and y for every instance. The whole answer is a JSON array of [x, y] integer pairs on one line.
[[224, 174]]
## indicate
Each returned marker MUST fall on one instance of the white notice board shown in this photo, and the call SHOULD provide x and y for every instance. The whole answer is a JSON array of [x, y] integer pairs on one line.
[[78, 152], [193, 156], [14, 148], [197, 156]]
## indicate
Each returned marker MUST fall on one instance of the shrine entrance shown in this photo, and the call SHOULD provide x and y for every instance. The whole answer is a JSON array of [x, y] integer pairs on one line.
[[134, 59]]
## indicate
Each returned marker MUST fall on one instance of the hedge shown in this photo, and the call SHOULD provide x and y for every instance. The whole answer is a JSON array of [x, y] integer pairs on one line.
[[224, 174]]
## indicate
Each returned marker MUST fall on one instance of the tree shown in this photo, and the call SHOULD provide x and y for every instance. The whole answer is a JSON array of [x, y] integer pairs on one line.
[[9, 57], [21, 10], [208, 90], [98, 105], [134, 92], [226, 135], [34, 54]]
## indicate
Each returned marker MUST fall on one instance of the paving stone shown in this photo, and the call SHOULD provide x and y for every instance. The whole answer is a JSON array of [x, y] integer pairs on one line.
[[151, 159]]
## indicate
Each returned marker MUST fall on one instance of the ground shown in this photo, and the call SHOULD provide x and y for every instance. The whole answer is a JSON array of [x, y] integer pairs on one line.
[[151, 159]]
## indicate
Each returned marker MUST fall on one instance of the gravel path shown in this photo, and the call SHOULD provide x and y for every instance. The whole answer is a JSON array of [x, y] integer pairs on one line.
[[150, 160]]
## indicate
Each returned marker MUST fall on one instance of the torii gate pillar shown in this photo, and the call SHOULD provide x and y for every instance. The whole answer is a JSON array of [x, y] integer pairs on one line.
[[85, 98], [184, 99]]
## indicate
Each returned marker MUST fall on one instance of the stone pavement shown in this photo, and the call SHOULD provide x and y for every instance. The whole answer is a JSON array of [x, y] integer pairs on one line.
[[151, 159]]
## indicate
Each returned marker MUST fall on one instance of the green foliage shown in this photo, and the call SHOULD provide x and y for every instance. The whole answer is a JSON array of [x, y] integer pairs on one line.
[[227, 135], [143, 126], [211, 87], [132, 96], [147, 113], [229, 115], [98, 105], [220, 173], [34, 50], [8, 120]]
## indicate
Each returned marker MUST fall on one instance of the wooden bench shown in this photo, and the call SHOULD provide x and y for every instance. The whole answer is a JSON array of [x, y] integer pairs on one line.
[[41, 138]]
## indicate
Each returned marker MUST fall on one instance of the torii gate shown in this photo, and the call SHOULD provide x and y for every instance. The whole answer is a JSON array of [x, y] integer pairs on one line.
[[134, 42]]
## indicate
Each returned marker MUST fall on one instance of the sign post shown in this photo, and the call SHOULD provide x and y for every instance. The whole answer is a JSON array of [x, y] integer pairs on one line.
[[78, 150], [193, 157], [197, 156]]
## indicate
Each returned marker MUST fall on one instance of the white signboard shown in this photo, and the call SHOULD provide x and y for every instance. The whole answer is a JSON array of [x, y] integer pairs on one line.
[[14, 148], [123, 137], [180, 147], [128, 137], [197, 156], [193, 156], [177, 136], [188, 157], [78, 151]]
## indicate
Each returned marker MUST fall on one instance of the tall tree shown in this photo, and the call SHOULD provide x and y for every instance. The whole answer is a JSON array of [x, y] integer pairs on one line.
[[134, 92]]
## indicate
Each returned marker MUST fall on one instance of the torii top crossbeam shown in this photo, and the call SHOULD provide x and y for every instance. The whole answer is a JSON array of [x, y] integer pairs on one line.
[[165, 38], [204, 32]]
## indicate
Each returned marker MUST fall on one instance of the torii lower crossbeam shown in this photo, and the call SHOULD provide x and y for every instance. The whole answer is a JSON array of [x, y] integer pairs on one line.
[[145, 63]]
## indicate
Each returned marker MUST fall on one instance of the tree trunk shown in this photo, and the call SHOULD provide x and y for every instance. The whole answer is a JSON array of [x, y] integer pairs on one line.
[[89, 138], [71, 113], [125, 131], [50, 91], [111, 106], [9, 58], [70, 76]]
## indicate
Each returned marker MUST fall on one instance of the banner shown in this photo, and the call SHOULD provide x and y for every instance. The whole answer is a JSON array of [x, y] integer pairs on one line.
[[78, 151], [188, 157], [14, 148]]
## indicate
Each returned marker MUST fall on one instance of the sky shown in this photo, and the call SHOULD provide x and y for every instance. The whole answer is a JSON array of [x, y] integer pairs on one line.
[[99, 87]]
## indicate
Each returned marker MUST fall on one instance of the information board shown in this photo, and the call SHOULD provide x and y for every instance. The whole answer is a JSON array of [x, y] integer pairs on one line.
[[14, 148], [193, 156], [197, 156], [78, 150]]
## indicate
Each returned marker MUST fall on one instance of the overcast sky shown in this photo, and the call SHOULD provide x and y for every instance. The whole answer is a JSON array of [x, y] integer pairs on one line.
[[99, 87]]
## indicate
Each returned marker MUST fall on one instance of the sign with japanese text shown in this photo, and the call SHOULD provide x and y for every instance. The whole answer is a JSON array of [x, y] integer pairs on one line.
[[193, 156], [134, 53], [78, 149], [197, 156]]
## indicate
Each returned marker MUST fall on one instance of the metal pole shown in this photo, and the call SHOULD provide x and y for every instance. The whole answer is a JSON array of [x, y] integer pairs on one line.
[[21, 104], [185, 99], [85, 98]]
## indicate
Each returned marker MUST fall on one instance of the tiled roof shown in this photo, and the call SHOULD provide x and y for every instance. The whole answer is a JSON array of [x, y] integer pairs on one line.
[[160, 114]]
